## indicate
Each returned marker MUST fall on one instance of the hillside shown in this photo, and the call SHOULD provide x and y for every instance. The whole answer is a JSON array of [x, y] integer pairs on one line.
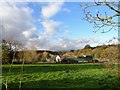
[[104, 52]]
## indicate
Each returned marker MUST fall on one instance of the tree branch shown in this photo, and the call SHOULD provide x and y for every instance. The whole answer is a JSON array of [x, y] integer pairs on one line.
[[112, 8], [98, 19]]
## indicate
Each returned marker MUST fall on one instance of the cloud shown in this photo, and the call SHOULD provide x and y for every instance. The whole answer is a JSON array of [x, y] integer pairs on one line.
[[50, 27], [66, 10], [30, 33], [71, 44], [17, 22], [51, 9], [48, 11], [63, 43]]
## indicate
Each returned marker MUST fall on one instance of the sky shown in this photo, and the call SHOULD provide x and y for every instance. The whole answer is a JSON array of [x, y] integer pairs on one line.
[[51, 25]]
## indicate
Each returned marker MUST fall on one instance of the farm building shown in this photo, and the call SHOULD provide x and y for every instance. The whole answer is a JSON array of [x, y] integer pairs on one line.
[[84, 58], [77, 59], [69, 60]]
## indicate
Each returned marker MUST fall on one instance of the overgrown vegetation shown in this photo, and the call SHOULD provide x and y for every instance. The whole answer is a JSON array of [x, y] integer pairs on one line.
[[103, 51]]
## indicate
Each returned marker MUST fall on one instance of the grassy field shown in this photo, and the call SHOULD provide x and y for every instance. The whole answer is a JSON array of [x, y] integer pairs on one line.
[[59, 76]]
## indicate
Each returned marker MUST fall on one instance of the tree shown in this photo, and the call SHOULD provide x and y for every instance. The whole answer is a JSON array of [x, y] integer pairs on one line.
[[87, 47], [9, 49], [30, 54], [104, 20], [5, 52], [45, 55], [100, 19]]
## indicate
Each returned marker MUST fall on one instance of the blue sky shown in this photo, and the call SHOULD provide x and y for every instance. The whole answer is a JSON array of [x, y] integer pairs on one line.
[[73, 21], [55, 26]]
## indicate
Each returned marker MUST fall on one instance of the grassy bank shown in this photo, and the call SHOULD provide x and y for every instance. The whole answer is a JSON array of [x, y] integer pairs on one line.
[[59, 76]]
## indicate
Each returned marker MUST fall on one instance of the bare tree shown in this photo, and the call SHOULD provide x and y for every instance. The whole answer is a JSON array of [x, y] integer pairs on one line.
[[45, 55], [33, 52], [100, 19], [103, 21], [12, 47], [30, 54]]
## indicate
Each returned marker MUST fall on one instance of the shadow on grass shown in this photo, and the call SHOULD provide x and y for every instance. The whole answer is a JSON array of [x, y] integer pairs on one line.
[[78, 83]]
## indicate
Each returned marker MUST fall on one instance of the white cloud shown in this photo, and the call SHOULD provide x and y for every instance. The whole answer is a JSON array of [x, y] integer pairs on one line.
[[66, 10], [30, 33], [69, 44], [50, 27], [51, 9], [19, 24], [16, 20], [48, 11]]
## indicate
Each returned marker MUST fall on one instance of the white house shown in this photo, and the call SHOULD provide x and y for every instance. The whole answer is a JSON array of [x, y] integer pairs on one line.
[[58, 58]]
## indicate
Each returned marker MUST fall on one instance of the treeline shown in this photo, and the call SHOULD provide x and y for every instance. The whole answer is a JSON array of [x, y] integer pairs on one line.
[[13, 51], [110, 52]]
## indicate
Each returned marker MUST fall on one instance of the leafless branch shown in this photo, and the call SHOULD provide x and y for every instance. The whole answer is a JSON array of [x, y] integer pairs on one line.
[[99, 19]]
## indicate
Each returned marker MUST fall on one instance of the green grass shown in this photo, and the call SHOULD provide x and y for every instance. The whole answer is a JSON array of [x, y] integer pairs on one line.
[[59, 76]]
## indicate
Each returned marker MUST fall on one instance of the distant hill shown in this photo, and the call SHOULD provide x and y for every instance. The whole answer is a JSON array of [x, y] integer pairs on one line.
[[104, 51]]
